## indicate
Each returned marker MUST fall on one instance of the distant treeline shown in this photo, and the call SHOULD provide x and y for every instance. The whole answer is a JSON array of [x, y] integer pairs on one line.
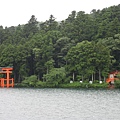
[[81, 47]]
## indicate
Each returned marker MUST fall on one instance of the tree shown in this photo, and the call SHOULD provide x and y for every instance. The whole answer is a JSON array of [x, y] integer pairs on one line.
[[61, 46], [31, 28], [103, 59], [49, 25], [56, 75], [49, 65], [86, 58], [113, 43]]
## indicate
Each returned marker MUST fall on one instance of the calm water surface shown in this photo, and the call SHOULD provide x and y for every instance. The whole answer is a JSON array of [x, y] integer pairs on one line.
[[59, 104]]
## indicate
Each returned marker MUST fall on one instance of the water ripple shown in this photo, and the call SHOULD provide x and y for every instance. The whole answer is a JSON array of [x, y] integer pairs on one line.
[[59, 104]]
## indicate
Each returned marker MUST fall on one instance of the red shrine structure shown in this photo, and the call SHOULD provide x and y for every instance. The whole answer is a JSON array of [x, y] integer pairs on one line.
[[112, 77], [6, 81]]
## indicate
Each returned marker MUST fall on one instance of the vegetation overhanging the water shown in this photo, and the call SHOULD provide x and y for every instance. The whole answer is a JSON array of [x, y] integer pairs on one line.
[[83, 47], [32, 82]]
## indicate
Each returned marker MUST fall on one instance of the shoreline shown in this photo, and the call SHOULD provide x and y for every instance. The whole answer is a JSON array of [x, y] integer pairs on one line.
[[64, 85]]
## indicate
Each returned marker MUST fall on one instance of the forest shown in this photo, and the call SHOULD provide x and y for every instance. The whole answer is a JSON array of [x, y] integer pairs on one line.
[[81, 47]]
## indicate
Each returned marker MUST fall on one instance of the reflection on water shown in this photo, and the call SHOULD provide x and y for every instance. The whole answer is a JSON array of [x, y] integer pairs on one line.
[[59, 104]]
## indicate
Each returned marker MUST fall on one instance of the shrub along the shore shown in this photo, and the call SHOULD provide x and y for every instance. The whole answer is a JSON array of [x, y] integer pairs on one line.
[[33, 82], [117, 83]]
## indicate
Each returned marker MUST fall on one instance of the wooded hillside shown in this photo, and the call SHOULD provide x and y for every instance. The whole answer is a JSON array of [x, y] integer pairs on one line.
[[83, 46]]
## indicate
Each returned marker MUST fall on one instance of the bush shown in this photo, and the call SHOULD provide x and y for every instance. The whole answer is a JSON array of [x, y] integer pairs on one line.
[[40, 84], [117, 83], [29, 81], [56, 75], [83, 85]]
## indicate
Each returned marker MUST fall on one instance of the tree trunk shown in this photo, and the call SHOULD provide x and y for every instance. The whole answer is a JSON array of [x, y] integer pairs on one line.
[[104, 79], [15, 78], [82, 78], [73, 76], [38, 76], [99, 75], [19, 79], [47, 70], [92, 77]]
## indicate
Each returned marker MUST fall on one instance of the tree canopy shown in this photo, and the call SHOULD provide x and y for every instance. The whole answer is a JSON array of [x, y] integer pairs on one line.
[[83, 46]]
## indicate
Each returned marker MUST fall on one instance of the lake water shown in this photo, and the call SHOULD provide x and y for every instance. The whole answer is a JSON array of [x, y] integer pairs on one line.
[[59, 104]]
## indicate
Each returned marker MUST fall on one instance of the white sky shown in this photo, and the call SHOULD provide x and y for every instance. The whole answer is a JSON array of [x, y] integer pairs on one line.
[[14, 12]]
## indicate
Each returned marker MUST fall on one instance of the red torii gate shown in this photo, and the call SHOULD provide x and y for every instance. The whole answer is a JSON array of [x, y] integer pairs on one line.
[[7, 81]]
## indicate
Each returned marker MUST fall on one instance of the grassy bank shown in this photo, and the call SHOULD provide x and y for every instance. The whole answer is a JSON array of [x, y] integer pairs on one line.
[[63, 85], [83, 85]]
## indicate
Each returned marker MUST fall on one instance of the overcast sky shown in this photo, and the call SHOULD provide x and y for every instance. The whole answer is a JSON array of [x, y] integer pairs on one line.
[[14, 12]]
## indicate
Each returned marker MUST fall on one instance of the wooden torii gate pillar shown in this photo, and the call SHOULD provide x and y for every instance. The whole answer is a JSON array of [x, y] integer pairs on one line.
[[7, 81]]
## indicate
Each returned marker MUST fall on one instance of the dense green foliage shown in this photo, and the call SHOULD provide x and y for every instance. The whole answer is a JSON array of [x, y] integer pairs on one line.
[[81, 47]]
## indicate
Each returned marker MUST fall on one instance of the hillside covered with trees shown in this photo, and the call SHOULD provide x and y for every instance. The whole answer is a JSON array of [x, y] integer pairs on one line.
[[81, 47]]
